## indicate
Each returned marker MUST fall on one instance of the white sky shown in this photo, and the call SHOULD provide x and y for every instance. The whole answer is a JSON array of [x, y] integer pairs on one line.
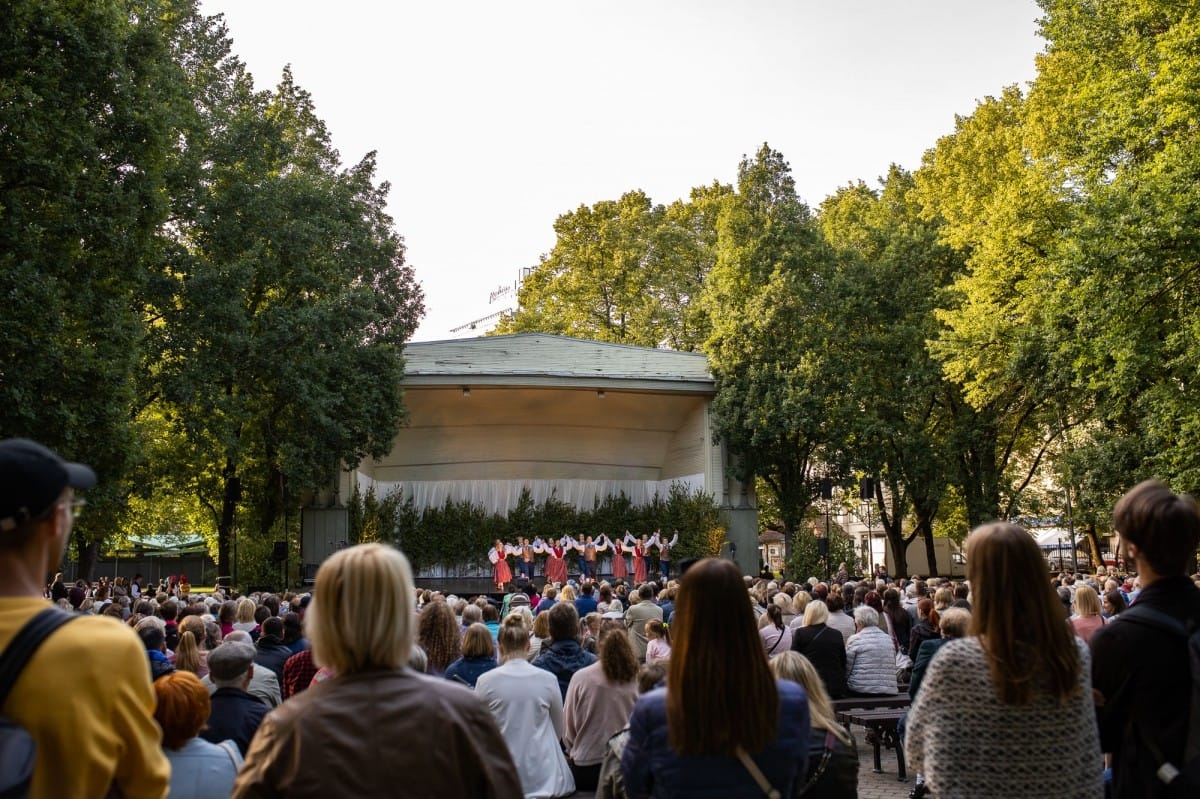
[[493, 118]]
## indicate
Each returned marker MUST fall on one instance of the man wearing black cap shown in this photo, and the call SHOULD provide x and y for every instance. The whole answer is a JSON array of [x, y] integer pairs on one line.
[[92, 670]]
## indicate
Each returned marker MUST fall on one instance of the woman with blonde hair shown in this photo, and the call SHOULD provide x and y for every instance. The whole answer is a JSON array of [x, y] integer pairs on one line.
[[823, 647], [245, 615], [323, 741], [942, 599], [1087, 618], [799, 605], [723, 726], [199, 769], [567, 594], [1008, 710], [832, 754]]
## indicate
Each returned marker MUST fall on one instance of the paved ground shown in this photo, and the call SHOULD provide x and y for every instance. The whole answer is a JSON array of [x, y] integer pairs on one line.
[[883, 785], [870, 785]]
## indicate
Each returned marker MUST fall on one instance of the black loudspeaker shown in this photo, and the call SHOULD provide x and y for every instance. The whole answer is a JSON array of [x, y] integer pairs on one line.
[[823, 546], [826, 488], [279, 552], [866, 488]]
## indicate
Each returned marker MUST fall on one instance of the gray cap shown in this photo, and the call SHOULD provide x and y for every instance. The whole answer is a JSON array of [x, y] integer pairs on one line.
[[230, 660]]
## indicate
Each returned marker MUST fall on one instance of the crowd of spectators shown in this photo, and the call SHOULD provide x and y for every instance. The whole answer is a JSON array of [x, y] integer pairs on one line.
[[711, 684]]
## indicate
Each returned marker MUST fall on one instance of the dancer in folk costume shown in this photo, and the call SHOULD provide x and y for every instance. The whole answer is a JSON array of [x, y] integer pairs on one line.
[[588, 549], [556, 564], [501, 574], [664, 552], [620, 569], [641, 548], [525, 551]]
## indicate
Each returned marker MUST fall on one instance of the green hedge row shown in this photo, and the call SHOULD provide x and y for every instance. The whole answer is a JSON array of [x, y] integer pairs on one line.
[[459, 534]]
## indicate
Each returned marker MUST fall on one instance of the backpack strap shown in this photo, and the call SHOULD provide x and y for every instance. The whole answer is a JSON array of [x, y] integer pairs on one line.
[[25, 643], [763, 783], [234, 753]]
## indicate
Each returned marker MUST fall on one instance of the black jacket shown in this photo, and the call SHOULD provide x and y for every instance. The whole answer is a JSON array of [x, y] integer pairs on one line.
[[563, 659], [235, 717], [826, 650], [272, 654], [1143, 674], [839, 779]]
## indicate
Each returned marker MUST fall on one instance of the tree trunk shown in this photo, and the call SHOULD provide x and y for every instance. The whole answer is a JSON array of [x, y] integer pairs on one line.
[[88, 553], [1089, 533], [229, 502]]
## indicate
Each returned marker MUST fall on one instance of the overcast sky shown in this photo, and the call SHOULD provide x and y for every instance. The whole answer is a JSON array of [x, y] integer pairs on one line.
[[493, 118]]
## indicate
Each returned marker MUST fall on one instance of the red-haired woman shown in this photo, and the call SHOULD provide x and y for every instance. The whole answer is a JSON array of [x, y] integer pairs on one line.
[[723, 726], [198, 768]]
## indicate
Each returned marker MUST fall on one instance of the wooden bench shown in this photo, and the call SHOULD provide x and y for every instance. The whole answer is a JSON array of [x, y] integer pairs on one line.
[[880, 723], [871, 702]]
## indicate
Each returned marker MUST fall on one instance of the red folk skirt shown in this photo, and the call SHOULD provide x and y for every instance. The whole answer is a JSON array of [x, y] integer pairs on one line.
[[501, 574], [556, 568], [620, 569], [639, 566]]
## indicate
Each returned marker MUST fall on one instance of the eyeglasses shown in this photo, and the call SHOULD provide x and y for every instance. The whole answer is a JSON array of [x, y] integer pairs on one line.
[[75, 506]]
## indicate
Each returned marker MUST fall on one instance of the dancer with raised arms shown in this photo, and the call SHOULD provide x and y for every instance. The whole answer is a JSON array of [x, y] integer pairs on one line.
[[620, 568], [556, 564], [664, 553], [587, 550], [498, 555]]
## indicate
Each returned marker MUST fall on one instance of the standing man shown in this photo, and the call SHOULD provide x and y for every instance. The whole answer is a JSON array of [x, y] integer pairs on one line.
[[587, 565], [636, 618], [1141, 677], [525, 565], [664, 555], [91, 670]]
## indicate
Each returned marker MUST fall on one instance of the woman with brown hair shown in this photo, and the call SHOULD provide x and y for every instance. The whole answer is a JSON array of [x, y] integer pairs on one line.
[[437, 634], [776, 636], [191, 654], [926, 629], [1008, 711], [1113, 603], [598, 703], [723, 726], [478, 656]]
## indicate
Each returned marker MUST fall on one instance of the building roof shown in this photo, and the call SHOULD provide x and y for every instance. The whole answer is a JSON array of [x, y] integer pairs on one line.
[[529, 359]]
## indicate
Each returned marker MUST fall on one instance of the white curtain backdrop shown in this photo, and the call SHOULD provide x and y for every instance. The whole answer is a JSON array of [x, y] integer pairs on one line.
[[501, 496]]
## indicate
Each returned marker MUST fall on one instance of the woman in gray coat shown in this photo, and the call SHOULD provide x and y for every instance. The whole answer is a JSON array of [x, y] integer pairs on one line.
[[870, 657]]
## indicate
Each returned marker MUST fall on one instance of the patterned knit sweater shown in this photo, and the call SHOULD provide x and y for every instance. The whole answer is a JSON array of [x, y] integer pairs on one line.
[[969, 745]]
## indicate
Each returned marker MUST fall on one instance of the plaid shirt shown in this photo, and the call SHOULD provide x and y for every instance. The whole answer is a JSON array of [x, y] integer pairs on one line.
[[298, 673]]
